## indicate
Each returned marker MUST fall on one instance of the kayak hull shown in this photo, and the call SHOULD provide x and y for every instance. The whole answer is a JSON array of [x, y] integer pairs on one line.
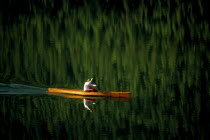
[[81, 92]]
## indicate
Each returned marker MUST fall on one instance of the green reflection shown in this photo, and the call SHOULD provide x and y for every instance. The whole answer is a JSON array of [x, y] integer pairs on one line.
[[157, 50]]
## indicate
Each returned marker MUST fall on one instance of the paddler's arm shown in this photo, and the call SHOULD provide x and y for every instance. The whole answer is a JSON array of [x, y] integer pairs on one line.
[[93, 85]]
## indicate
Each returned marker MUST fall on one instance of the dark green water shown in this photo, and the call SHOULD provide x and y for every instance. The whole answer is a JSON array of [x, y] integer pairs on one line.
[[159, 51]]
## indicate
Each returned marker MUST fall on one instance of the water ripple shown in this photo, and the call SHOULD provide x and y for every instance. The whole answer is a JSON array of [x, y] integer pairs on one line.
[[20, 89]]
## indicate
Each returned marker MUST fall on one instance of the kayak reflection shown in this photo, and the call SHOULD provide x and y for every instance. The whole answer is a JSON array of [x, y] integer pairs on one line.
[[88, 102], [91, 97]]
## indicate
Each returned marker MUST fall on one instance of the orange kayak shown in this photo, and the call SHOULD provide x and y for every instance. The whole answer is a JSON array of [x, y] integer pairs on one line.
[[81, 92]]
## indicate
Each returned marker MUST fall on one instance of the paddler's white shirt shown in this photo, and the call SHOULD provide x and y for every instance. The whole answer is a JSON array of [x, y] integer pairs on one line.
[[88, 84]]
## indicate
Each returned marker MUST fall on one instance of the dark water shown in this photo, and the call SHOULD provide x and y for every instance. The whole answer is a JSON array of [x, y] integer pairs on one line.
[[159, 51]]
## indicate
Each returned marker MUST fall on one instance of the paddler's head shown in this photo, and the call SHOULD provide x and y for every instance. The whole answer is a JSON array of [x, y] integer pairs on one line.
[[88, 80]]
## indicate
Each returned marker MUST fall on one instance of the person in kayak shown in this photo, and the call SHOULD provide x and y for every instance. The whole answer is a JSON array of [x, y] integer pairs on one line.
[[88, 84]]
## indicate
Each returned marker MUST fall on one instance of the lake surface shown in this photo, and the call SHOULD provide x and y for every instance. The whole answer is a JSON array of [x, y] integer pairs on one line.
[[156, 50]]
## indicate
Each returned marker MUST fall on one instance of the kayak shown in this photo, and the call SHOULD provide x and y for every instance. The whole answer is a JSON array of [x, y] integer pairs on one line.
[[84, 93]]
